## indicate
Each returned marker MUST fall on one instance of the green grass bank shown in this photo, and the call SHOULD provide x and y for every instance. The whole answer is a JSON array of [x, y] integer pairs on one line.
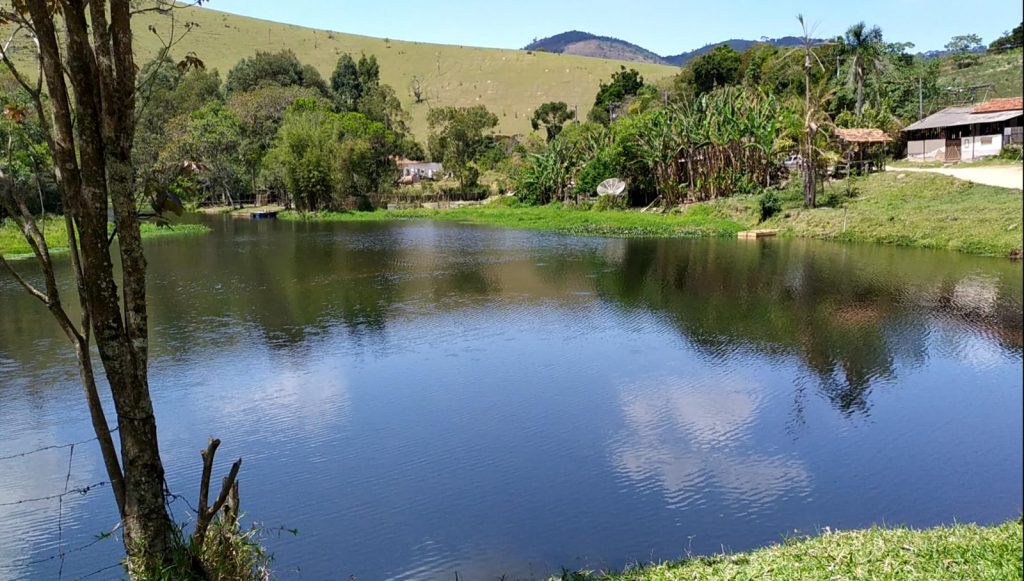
[[908, 209], [923, 210], [13, 245], [697, 222], [955, 552]]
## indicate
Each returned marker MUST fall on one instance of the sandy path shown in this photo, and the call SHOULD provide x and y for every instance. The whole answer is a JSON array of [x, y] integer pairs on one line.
[[1003, 176]]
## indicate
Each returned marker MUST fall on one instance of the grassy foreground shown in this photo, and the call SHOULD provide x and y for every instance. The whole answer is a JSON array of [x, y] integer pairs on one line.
[[923, 210], [13, 245], [957, 552]]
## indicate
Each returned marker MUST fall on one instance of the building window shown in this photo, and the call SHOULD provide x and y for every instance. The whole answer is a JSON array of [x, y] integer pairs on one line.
[[986, 140]]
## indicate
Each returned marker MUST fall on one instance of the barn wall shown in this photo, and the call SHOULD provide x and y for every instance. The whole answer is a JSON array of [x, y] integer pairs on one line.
[[926, 149], [972, 148]]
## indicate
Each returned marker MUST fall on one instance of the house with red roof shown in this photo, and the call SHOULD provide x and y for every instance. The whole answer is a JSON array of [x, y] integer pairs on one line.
[[967, 133]]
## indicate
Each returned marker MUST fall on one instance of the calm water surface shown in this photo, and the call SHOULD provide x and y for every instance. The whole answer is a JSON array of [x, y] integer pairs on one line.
[[420, 399]]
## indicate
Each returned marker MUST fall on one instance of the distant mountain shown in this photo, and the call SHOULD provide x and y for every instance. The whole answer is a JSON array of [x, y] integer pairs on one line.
[[586, 44], [737, 44]]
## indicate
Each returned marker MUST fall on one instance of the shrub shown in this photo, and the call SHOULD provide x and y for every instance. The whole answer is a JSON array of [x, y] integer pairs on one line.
[[836, 197], [593, 173], [769, 204], [610, 203], [1011, 152]]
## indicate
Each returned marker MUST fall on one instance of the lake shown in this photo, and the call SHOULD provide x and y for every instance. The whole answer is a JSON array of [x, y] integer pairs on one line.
[[420, 399]]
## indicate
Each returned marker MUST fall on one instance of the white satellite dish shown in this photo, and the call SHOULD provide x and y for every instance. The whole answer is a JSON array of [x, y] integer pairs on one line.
[[611, 187]]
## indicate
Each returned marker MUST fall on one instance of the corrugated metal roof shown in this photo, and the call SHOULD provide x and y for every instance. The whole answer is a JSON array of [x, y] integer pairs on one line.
[[1002, 104], [958, 116]]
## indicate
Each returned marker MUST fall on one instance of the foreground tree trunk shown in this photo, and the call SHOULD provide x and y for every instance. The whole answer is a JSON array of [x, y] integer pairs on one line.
[[90, 77]]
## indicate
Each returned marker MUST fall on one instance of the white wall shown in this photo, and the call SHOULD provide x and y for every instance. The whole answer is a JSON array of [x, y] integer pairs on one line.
[[925, 150], [972, 148]]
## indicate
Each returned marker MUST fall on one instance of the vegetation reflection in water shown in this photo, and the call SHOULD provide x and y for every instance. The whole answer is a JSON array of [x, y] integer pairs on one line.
[[410, 374]]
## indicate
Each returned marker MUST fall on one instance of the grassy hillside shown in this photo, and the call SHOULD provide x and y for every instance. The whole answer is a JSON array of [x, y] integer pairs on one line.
[[510, 83], [1005, 70]]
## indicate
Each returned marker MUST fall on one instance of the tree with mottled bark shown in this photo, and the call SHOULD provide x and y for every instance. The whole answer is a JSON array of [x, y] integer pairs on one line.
[[84, 56]]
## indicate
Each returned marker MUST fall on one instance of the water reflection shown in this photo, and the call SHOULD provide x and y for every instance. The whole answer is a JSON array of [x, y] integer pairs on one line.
[[693, 442], [849, 314], [492, 401]]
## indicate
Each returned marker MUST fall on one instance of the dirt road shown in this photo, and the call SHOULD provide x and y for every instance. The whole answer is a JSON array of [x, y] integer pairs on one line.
[[1003, 176]]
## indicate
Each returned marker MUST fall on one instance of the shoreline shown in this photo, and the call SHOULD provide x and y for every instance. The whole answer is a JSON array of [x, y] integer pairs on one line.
[[911, 209], [13, 246], [959, 551]]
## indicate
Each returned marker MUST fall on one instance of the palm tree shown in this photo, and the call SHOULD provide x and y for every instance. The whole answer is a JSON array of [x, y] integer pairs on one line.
[[864, 47]]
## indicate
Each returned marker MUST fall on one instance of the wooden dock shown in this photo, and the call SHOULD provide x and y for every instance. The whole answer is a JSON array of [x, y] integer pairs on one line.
[[755, 234]]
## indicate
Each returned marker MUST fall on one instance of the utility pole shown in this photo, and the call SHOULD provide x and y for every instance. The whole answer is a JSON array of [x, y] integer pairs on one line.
[[920, 98]]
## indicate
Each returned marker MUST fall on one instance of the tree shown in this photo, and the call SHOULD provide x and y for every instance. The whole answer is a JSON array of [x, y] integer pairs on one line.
[[168, 91], [380, 103], [718, 68], [624, 85], [416, 89], [90, 76], [1012, 39], [260, 114], [208, 139], [371, 163], [273, 68], [353, 80], [864, 48], [27, 163], [552, 116], [965, 48], [814, 117], [345, 83], [306, 150], [88, 122], [369, 71], [458, 137]]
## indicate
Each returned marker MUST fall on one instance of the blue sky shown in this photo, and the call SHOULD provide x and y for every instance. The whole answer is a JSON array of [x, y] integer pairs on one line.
[[664, 26]]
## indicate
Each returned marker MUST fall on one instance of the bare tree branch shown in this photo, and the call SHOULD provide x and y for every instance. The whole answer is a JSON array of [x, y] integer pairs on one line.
[[228, 488]]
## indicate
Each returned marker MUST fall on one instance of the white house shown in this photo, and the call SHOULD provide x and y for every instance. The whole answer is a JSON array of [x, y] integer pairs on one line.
[[413, 171], [967, 133]]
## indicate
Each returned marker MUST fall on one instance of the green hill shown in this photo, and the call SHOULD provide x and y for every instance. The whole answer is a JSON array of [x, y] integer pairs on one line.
[[511, 83], [1005, 70]]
